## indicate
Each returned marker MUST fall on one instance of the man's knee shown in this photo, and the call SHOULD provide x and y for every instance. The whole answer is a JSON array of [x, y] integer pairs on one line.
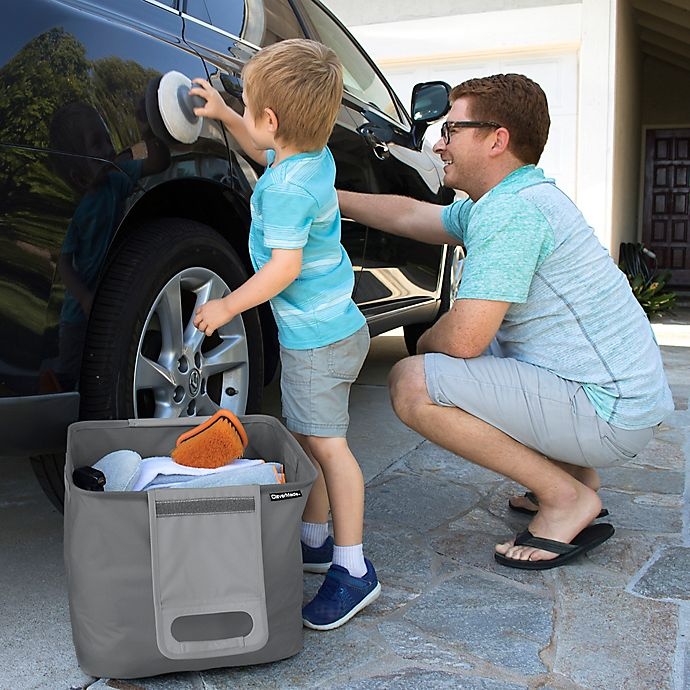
[[407, 385]]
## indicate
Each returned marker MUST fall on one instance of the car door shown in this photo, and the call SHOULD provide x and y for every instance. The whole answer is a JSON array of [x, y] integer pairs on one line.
[[62, 118], [226, 34], [398, 275]]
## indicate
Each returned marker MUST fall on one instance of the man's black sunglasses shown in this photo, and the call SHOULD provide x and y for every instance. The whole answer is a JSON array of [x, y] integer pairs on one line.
[[449, 125]]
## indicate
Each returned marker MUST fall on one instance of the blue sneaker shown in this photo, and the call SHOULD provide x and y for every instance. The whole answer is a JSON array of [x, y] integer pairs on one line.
[[317, 559], [340, 597]]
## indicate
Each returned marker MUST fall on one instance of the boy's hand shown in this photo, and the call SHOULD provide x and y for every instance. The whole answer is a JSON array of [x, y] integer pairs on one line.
[[212, 315], [215, 107]]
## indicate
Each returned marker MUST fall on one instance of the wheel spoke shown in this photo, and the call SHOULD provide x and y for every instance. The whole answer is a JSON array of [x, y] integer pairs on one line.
[[230, 354], [205, 406], [151, 374], [208, 290], [164, 410], [169, 310], [193, 337]]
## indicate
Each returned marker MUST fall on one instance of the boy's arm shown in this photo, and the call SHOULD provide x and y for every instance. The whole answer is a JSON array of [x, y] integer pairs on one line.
[[217, 109], [276, 274]]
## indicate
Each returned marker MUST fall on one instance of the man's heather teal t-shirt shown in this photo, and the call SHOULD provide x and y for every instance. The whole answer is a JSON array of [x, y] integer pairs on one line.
[[295, 206], [572, 311]]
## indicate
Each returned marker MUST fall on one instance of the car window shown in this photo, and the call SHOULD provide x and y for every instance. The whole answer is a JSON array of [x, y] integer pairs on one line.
[[359, 76], [227, 15], [280, 22], [261, 23]]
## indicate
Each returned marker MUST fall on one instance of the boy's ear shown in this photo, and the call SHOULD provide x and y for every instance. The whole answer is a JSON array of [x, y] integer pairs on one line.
[[271, 120]]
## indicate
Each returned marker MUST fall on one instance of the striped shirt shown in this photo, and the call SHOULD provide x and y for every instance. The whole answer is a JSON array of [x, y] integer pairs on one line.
[[295, 206], [572, 311]]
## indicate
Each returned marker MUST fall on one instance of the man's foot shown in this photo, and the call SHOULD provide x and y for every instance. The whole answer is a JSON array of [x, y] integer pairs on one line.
[[582, 543], [317, 559], [340, 597], [560, 519], [528, 504]]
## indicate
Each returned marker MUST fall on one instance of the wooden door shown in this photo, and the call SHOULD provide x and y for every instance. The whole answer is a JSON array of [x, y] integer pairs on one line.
[[666, 223]]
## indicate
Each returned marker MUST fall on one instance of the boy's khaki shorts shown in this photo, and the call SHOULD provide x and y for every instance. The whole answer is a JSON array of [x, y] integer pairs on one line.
[[315, 385], [535, 407]]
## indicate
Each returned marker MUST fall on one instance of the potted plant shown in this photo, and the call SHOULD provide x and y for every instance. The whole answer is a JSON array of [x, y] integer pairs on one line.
[[647, 283]]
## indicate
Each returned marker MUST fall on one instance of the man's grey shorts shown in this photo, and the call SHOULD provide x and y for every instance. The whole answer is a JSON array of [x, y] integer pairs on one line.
[[315, 385], [535, 407]]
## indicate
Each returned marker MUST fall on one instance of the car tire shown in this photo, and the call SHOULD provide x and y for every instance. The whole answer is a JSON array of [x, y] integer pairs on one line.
[[452, 272], [143, 357]]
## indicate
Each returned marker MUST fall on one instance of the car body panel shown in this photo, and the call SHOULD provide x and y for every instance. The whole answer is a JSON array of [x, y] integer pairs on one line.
[[103, 57]]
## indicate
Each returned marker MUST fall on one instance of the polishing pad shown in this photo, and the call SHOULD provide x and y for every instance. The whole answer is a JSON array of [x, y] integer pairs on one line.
[[176, 107]]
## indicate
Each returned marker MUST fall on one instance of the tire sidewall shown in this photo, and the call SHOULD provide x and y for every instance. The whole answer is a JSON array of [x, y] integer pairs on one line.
[[163, 250]]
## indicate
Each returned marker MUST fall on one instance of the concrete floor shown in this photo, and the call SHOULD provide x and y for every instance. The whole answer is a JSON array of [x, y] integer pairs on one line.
[[448, 616]]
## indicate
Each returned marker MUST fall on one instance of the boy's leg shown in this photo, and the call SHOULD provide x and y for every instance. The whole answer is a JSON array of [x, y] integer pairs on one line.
[[318, 506], [351, 583], [345, 487], [317, 545], [316, 388]]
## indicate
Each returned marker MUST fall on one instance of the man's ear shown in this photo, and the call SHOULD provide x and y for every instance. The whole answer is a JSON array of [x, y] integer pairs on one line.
[[500, 142], [271, 120]]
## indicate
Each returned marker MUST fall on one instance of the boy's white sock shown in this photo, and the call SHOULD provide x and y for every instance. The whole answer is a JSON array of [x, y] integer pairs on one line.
[[351, 558], [314, 534]]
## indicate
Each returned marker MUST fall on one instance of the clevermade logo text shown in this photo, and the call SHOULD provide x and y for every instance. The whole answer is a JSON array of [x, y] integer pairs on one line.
[[285, 494]]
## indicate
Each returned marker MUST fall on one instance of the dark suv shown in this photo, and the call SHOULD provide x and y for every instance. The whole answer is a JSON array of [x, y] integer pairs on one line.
[[111, 232]]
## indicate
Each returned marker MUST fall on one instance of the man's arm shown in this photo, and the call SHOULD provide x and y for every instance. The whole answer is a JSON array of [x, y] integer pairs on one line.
[[466, 330], [398, 215]]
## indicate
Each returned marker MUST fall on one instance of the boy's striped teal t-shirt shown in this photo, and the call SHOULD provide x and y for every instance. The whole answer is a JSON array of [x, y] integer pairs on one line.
[[295, 206]]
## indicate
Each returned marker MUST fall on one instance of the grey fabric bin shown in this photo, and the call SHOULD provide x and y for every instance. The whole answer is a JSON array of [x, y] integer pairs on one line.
[[182, 580]]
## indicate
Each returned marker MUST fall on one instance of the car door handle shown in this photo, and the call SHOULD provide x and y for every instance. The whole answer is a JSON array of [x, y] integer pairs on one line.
[[378, 146], [232, 84]]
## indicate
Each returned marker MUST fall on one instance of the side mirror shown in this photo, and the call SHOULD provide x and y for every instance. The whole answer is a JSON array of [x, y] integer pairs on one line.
[[430, 101]]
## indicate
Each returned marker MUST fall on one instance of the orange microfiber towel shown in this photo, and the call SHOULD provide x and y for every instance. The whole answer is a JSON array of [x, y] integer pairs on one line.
[[214, 443]]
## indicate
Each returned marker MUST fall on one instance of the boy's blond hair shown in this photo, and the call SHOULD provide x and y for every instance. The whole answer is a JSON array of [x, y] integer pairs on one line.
[[301, 81]]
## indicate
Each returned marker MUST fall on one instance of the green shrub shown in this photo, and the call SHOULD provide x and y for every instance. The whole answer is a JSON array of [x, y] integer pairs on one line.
[[648, 284]]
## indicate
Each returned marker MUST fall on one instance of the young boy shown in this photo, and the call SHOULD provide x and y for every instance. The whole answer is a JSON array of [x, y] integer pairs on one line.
[[292, 94]]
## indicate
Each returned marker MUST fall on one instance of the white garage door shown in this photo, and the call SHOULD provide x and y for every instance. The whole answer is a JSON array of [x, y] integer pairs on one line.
[[556, 74]]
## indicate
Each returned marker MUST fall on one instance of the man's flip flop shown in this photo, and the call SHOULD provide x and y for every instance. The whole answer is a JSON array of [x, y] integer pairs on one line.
[[530, 496], [591, 536]]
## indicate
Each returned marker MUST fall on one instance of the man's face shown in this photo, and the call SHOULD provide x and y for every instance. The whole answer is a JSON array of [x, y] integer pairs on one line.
[[465, 157]]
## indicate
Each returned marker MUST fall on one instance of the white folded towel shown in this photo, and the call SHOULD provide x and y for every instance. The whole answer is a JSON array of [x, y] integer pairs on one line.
[[125, 470], [159, 466]]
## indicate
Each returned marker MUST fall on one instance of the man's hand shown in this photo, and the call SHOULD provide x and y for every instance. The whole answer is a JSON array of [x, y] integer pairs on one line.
[[212, 315]]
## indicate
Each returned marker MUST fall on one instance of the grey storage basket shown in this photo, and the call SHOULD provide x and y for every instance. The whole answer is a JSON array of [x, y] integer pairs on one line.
[[183, 579]]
